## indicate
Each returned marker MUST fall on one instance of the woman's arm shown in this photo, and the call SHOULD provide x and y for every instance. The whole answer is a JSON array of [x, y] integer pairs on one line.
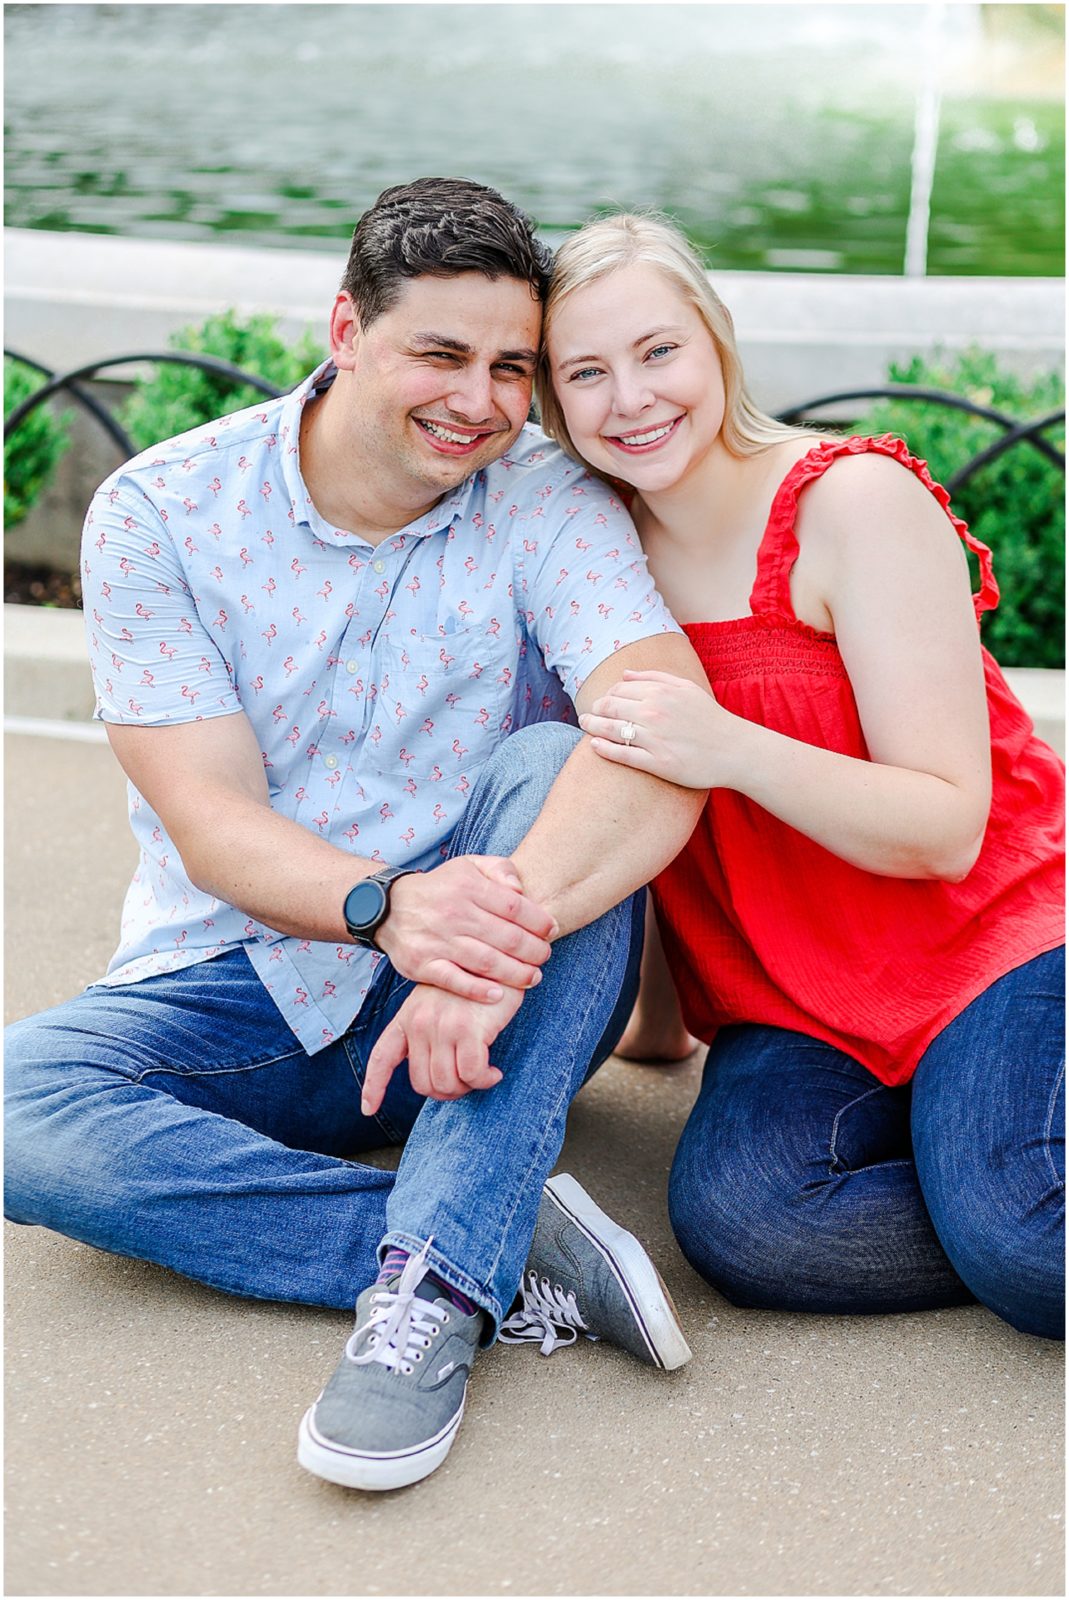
[[895, 580]]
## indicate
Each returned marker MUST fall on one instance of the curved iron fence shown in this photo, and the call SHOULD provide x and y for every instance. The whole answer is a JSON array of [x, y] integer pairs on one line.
[[1014, 431]]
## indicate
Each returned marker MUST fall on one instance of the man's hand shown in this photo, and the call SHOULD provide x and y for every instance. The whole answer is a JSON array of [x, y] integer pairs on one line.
[[467, 927], [447, 1041]]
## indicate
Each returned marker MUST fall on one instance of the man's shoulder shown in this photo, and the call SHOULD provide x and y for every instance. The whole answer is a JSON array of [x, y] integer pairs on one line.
[[534, 460], [207, 447]]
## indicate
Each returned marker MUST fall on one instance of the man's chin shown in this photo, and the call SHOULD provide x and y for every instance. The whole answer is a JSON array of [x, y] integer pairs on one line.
[[448, 472]]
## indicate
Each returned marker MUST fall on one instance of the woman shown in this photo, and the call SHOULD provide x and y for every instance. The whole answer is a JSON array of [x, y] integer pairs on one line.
[[866, 925]]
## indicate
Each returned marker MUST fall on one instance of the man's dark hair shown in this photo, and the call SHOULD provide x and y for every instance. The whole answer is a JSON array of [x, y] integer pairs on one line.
[[439, 227]]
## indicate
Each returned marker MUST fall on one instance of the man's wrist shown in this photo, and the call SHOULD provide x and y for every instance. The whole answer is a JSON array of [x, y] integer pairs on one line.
[[367, 905]]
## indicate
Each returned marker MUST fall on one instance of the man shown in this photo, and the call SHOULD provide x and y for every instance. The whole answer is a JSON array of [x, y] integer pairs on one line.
[[333, 638]]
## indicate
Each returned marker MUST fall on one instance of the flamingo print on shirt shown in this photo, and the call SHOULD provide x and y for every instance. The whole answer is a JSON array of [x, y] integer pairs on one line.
[[377, 680]]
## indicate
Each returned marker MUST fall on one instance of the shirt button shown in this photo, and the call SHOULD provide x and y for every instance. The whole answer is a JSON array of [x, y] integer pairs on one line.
[[378, 566], [330, 761], [350, 666]]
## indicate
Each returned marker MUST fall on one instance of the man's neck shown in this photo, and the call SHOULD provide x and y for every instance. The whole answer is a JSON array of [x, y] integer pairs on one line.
[[347, 491]]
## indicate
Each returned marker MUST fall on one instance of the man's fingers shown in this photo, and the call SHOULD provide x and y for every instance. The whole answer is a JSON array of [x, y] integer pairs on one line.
[[503, 869], [473, 1066], [385, 1058], [500, 901]]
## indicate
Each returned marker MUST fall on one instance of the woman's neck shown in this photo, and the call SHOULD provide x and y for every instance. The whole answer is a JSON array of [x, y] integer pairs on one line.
[[709, 504]]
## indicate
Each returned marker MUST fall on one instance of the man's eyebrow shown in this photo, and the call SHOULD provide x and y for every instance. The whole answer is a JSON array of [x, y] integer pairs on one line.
[[442, 341], [644, 338]]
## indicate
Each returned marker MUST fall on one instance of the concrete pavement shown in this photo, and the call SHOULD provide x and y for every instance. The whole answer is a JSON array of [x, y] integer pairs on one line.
[[151, 1422]]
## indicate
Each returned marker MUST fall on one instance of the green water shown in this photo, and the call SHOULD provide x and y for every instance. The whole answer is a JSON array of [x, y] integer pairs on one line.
[[780, 136]]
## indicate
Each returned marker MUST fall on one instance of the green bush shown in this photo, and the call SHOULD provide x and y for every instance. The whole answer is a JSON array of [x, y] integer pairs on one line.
[[176, 397], [1016, 505], [31, 454]]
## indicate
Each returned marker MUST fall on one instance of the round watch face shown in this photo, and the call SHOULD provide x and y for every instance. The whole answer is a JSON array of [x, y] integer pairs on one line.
[[364, 906]]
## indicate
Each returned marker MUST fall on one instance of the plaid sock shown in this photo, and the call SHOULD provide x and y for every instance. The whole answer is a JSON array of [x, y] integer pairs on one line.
[[395, 1263]]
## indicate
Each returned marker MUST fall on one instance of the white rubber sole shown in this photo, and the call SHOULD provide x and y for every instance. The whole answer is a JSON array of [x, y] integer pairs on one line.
[[355, 1469], [654, 1313]]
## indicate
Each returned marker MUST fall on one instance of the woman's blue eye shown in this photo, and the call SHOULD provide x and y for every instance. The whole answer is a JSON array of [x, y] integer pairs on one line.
[[661, 350], [585, 372]]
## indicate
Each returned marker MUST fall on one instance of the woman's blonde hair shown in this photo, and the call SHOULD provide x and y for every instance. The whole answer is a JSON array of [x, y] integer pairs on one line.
[[608, 243]]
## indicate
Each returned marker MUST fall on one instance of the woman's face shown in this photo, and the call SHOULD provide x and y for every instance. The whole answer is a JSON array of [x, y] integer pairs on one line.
[[637, 377]]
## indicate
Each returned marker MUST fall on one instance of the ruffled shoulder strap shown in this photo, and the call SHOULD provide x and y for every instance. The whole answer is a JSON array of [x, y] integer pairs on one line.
[[779, 545]]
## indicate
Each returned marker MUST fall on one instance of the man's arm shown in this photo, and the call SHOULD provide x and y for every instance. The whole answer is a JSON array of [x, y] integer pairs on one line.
[[466, 926], [594, 843]]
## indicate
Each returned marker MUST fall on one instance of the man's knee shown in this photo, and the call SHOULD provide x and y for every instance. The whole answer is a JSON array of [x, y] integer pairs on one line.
[[49, 1095], [511, 790]]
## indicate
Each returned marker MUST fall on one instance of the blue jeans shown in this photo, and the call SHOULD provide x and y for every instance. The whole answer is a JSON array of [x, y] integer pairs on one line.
[[177, 1120], [802, 1183]]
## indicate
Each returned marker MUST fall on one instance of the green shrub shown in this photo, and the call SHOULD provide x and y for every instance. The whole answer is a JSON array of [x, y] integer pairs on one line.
[[31, 454], [1016, 505], [176, 397]]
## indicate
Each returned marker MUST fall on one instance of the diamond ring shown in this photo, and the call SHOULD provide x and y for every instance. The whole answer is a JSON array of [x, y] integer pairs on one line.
[[628, 732]]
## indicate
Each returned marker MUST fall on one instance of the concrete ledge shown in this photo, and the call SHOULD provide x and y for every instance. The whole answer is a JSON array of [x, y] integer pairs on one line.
[[76, 297], [46, 664], [47, 674]]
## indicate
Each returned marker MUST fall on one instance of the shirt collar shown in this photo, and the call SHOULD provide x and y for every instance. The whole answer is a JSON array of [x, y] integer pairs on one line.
[[451, 508]]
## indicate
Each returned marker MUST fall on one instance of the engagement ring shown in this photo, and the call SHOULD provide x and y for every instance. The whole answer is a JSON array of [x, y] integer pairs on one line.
[[628, 732]]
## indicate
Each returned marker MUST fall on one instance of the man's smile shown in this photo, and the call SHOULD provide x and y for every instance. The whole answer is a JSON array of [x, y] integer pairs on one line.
[[451, 440]]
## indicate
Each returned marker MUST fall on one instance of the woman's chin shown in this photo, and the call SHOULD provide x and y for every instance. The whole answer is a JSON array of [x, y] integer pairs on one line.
[[644, 473]]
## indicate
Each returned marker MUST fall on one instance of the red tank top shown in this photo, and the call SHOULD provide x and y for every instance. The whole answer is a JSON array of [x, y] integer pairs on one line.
[[761, 924]]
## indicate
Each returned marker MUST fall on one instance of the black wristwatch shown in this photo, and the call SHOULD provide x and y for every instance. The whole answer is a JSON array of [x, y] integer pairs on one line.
[[367, 905]]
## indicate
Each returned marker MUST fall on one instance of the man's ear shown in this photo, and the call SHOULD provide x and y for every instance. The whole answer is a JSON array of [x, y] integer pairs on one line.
[[344, 332]]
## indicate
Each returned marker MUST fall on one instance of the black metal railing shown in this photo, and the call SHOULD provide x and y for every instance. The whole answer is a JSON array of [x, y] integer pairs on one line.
[[1014, 431], [55, 382]]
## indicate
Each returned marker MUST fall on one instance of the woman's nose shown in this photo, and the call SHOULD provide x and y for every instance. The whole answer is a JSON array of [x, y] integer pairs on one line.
[[631, 394]]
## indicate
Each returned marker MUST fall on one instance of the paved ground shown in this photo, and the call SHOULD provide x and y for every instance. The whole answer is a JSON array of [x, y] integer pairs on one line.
[[151, 1423]]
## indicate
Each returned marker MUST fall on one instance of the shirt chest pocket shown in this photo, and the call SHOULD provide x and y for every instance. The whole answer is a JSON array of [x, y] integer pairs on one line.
[[440, 702]]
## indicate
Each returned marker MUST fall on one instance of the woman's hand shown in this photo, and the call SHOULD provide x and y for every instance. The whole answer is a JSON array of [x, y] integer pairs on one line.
[[681, 734]]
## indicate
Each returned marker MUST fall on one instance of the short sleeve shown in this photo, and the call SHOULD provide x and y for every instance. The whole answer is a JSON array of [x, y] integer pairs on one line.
[[584, 585], [153, 658]]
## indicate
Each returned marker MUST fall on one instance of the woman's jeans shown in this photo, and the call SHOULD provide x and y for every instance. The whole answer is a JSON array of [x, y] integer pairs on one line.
[[802, 1183], [177, 1120]]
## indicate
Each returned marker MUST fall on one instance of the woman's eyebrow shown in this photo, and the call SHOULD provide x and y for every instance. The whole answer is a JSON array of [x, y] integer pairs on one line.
[[644, 338]]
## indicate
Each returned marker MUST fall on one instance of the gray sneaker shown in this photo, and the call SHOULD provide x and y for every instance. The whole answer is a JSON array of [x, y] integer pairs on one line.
[[391, 1411], [585, 1274]]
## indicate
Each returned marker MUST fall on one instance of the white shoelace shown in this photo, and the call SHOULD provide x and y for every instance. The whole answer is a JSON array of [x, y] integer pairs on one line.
[[547, 1314], [400, 1326]]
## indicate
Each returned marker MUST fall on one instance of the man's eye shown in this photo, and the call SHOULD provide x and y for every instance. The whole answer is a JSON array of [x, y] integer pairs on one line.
[[510, 369]]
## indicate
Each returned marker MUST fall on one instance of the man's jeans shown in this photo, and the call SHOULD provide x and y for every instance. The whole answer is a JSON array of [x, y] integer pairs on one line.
[[802, 1183], [178, 1121]]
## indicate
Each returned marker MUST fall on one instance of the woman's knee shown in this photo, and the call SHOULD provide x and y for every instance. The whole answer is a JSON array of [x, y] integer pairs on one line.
[[1010, 1253], [739, 1228], [770, 1227]]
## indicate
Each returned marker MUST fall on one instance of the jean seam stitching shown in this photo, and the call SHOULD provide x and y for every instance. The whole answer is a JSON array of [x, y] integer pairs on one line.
[[564, 1097], [1050, 1124], [856, 1101], [393, 1135], [218, 1072]]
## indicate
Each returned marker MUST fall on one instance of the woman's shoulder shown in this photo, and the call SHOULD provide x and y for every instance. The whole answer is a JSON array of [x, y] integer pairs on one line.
[[871, 483]]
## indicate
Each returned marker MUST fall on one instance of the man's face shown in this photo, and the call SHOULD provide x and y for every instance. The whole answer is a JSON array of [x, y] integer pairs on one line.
[[441, 383]]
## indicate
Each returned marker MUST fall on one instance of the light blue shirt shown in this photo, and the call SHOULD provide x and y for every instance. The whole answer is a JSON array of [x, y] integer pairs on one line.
[[378, 679]]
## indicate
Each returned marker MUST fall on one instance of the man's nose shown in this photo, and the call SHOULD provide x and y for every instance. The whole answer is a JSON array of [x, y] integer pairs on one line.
[[472, 395]]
